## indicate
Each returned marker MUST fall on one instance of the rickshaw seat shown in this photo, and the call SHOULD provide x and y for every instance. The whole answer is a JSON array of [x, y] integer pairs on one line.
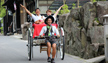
[[38, 27]]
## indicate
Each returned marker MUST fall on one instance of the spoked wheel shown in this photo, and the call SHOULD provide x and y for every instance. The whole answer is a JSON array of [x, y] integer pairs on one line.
[[29, 46], [62, 44], [57, 49], [62, 48]]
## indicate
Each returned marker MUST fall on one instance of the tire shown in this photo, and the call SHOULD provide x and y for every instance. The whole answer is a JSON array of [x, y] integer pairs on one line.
[[57, 49], [62, 48], [29, 46]]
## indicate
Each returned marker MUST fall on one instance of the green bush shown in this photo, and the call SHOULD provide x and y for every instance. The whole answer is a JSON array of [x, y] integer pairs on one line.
[[33, 12], [94, 0], [73, 6], [96, 19], [80, 6], [2, 21], [2, 9], [64, 9], [1, 27]]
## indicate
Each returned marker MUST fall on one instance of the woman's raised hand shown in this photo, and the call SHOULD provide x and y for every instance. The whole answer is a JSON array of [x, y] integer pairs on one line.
[[22, 6], [26, 10], [62, 6]]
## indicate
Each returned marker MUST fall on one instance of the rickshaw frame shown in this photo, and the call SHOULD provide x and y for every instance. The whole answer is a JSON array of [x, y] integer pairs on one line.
[[60, 45]]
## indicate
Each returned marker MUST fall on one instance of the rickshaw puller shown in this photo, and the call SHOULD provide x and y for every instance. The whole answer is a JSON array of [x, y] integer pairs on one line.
[[49, 31]]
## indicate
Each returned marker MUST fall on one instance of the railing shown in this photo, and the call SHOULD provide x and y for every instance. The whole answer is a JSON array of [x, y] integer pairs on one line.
[[57, 3]]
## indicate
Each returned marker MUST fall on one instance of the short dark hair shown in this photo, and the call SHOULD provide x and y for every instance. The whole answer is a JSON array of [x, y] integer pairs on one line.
[[37, 9]]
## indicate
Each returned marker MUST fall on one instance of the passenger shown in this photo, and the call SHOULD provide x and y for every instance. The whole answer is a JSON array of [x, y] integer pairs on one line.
[[38, 19], [49, 31], [49, 12]]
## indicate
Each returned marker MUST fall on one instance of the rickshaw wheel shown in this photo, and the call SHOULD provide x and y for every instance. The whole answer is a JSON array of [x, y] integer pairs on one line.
[[29, 46], [62, 48]]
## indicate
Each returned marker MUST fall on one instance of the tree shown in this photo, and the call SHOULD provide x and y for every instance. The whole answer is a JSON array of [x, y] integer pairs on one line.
[[2, 13], [64, 8], [64, 1], [78, 3], [2, 9]]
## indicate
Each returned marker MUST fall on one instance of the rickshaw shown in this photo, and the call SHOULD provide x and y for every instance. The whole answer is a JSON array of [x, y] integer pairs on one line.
[[60, 47]]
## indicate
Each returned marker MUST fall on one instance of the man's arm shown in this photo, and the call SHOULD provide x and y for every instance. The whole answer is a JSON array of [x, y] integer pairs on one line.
[[26, 10], [57, 11], [42, 31], [57, 32]]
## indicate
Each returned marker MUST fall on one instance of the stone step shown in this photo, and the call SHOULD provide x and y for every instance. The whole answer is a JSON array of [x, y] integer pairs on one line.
[[96, 59]]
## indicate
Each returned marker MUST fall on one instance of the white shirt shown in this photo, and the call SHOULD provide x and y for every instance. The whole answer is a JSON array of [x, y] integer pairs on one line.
[[54, 30], [35, 18], [54, 18]]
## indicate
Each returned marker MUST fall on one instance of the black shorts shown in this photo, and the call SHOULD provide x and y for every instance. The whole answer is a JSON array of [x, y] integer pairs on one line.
[[51, 42]]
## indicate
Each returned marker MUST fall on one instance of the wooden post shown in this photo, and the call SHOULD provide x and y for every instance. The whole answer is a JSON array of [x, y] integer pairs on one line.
[[24, 12], [91, 0], [35, 4], [64, 1], [78, 3], [24, 35]]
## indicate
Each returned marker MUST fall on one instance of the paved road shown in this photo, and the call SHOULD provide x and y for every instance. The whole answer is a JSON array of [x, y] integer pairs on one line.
[[14, 50]]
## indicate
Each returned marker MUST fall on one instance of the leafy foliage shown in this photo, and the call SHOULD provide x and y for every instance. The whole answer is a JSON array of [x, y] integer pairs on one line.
[[101, 0], [80, 6], [1, 30], [1, 27], [73, 6], [94, 0], [64, 9], [2, 13], [2, 9], [98, 0], [96, 19], [33, 12]]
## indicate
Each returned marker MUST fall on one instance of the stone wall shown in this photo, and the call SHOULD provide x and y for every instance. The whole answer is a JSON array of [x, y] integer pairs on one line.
[[84, 31]]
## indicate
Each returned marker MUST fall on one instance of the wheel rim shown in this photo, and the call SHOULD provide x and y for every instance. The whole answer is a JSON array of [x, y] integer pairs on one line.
[[29, 46], [61, 53], [62, 46]]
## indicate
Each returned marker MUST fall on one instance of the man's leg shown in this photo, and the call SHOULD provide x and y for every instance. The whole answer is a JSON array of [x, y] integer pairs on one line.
[[48, 49], [54, 50]]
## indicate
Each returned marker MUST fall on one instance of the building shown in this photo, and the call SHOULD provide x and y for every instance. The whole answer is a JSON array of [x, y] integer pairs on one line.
[[57, 3], [15, 18]]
